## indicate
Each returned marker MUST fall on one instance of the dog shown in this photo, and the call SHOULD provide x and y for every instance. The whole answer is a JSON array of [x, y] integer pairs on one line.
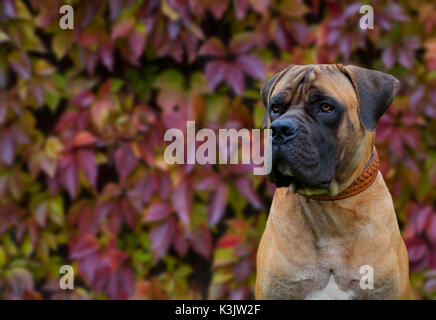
[[332, 215]]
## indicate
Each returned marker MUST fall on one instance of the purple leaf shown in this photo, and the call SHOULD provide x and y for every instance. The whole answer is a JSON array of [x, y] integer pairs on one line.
[[416, 248], [68, 175], [215, 71], [207, 183], [217, 204], [115, 8], [245, 187], [161, 237], [213, 47], [417, 96], [157, 211], [88, 163], [82, 99], [125, 161], [182, 202], [241, 7], [252, 65], [7, 147], [20, 63], [201, 241], [235, 78], [405, 58], [137, 41], [241, 270], [388, 57], [106, 53]]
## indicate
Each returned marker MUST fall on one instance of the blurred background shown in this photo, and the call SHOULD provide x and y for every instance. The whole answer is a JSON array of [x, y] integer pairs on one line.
[[82, 118]]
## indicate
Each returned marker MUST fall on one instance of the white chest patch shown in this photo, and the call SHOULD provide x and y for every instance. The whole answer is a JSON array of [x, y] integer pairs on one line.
[[330, 292]]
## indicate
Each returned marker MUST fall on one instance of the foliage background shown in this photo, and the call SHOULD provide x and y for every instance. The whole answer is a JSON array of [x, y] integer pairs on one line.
[[82, 117]]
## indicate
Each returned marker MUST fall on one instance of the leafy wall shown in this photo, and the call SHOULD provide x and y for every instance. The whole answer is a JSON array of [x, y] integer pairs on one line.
[[82, 118]]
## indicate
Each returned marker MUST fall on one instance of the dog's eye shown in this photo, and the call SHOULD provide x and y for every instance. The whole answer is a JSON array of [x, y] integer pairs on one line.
[[326, 108], [275, 108]]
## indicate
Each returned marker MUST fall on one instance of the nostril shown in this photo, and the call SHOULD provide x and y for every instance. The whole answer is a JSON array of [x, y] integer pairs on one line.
[[288, 131], [274, 131], [283, 129]]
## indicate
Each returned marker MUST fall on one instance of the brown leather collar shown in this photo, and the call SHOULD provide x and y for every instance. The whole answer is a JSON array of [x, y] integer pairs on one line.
[[363, 181]]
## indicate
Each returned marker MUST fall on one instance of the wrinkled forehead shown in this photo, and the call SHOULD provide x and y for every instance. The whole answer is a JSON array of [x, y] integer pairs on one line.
[[295, 83]]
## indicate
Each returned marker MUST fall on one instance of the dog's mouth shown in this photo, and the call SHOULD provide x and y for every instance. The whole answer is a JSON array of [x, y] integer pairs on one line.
[[296, 184]]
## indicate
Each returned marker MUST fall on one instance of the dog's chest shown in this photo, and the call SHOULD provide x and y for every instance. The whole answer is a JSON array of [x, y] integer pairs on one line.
[[331, 291]]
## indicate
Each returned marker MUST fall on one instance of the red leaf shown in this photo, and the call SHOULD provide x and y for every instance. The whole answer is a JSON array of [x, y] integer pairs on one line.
[[88, 163], [242, 42], [137, 42], [417, 249], [213, 47], [128, 212], [180, 242], [201, 241], [217, 204], [217, 8], [229, 241], [417, 219], [161, 237], [122, 28], [100, 110], [83, 246], [84, 138], [431, 229], [157, 211]]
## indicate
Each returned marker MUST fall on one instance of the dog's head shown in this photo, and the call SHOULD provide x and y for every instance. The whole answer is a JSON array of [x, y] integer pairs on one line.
[[323, 120]]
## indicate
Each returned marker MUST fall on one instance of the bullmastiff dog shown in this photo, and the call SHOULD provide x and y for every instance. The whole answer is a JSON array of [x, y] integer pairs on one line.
[[332, 231]]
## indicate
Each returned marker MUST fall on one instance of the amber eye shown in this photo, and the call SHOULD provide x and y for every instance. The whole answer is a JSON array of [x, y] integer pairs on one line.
[[275, 108], [326, 108]]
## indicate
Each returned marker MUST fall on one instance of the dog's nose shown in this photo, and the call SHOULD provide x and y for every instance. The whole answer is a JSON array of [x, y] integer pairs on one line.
[[283, 130]]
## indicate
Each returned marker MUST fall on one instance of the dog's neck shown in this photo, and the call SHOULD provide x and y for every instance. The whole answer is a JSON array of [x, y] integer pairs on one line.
[[363, 181], [343, 218]]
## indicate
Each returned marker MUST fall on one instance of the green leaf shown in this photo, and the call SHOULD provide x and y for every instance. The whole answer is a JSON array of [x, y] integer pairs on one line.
[[2, 257], [61, 43], [56, 210], [223, 257], [169, 79], [221, 276]]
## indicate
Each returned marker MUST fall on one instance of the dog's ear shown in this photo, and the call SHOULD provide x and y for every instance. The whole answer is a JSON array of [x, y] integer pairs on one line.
[[375, 92], [266, 90]]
